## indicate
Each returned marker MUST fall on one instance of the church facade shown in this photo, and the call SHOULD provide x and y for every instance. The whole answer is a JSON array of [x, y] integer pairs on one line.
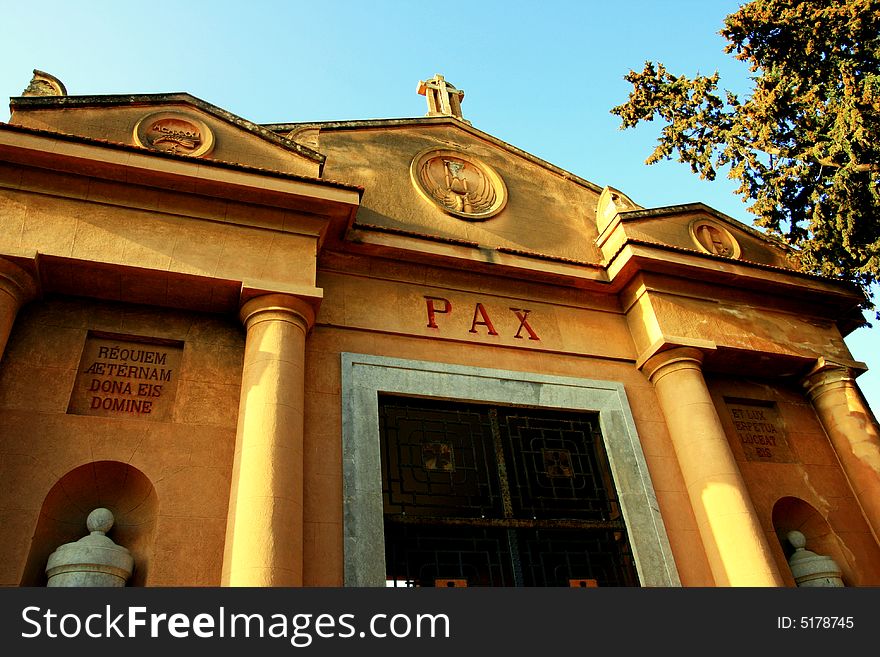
[[403, 352]]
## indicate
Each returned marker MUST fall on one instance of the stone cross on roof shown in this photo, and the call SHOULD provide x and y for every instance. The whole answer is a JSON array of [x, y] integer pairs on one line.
[[443, 98]]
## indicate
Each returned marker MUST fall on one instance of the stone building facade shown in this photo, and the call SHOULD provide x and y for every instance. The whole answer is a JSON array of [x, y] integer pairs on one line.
[[404, 352]]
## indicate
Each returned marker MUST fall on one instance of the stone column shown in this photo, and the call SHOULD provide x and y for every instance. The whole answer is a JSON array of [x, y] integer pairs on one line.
[[17, 287], [852, 429], [264, 533], [735, 543]]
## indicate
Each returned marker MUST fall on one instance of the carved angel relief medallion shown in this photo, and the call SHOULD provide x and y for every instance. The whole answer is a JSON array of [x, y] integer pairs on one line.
[[459, 184], [174, 132]]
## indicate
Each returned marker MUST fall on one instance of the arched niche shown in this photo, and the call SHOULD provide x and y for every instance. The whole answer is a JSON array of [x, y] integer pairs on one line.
[[792, 513], [123, 489]]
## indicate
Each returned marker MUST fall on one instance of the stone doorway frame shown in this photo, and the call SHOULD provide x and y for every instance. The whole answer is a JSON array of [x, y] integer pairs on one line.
[[365, 376]]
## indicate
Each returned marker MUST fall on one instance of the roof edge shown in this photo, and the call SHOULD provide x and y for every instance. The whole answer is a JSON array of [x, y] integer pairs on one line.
[[850, 288], [116, 100], [699, 206], [91, 141]]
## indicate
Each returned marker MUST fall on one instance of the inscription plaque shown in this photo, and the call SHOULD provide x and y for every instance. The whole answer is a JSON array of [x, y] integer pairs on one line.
[[760, 430], [126, 376]]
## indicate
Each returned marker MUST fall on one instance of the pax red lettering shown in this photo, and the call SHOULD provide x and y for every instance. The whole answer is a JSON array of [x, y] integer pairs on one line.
[[479, 310], [481, 320], [433, 310], [522, 316]]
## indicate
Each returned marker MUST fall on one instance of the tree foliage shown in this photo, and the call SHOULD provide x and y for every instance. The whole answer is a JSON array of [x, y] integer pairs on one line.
[[805, 144]]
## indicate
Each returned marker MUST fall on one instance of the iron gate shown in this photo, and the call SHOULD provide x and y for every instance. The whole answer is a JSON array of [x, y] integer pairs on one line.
[[482, 495]]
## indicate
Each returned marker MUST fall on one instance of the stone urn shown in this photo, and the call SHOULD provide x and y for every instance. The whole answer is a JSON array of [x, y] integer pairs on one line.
[[809, 568], [94, 560]]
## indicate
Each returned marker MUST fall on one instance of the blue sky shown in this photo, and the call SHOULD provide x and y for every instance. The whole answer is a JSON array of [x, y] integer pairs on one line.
[[541, 76]]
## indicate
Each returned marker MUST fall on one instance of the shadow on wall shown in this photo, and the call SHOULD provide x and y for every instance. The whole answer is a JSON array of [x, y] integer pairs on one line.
[[124, 490]]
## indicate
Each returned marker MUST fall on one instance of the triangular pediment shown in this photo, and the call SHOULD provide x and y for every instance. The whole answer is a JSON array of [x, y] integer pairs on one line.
[[439, 178], [178, 123], [699, 228]]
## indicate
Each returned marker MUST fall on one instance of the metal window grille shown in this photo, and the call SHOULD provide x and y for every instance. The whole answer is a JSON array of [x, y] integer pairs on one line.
[[498, 496]]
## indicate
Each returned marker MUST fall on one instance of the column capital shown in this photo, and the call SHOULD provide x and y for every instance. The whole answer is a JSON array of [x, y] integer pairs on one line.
[[279, 307], [16, 282], [672, 360], [829, 374]]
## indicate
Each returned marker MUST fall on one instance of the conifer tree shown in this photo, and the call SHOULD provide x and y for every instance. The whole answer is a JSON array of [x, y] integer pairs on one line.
[[804, 144]]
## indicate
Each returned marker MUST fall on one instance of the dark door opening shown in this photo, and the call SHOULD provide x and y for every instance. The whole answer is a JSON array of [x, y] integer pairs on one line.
[[484, 495]]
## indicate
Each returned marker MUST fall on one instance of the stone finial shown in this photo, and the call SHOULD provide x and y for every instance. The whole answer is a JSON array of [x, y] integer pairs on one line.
[[811, 569], [100, 521], [94, 560], [443, 98], [43, 84]]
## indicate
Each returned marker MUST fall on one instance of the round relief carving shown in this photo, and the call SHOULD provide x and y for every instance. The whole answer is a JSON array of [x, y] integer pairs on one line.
[[712, 237], [174, 132], [459, 184]]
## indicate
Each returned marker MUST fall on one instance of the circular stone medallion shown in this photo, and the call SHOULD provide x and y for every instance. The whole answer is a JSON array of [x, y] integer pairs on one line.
[[174, 132], [459, 184], [711, 237]]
